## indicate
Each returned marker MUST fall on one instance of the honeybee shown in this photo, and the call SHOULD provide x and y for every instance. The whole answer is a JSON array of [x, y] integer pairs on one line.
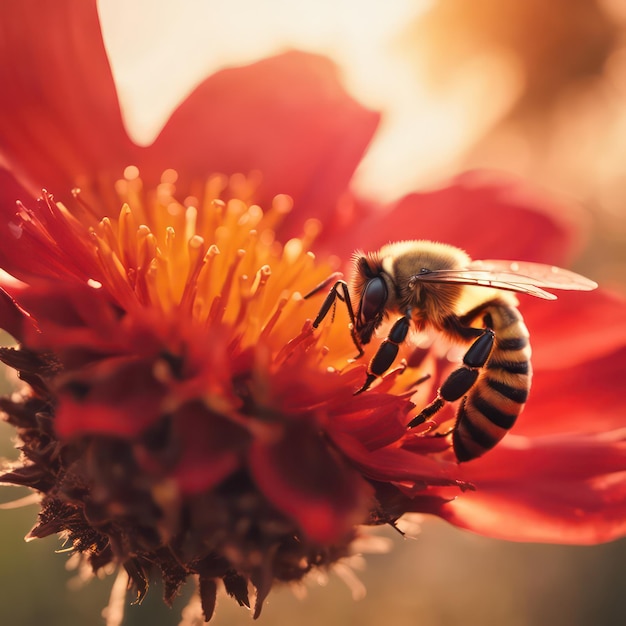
[[437, 286]]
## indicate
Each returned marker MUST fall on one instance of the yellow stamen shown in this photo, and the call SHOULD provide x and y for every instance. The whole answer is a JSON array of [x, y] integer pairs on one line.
[[211, 261]]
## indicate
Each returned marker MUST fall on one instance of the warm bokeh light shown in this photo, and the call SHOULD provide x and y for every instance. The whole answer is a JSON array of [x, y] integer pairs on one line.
[[210, 36], [424, 131]]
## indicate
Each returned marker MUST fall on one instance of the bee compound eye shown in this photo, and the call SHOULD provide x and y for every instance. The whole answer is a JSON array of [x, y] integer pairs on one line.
[[373, 299]]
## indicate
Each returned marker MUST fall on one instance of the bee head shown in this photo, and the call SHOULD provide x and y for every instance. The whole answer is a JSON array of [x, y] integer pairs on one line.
[[372, 292]]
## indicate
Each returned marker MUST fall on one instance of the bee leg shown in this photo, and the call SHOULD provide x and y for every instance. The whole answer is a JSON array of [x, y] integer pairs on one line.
[[387, 351], [331, 300], [461, 380], [335, 276], [328, 303]]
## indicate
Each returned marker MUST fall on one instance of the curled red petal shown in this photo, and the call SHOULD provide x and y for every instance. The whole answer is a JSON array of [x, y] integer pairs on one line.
[[287, 117], [488, 215], [556, 489], [306, 479], [60, 120]]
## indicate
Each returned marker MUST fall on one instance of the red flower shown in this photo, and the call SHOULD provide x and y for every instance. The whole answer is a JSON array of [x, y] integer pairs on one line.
[[182, 413]]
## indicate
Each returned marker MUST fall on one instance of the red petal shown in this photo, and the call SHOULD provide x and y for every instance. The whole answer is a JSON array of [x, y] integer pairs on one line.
[[551, 489], [288, 117], [375, 420], [395, 464], [303, 477], [489, 216], [212, 447], [587, 397], [59, 117], [117, 397], [73, 318], [575, 327]]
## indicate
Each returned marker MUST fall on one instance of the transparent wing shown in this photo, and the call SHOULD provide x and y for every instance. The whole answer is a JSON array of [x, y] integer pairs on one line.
[[519, 276], [537, 273]]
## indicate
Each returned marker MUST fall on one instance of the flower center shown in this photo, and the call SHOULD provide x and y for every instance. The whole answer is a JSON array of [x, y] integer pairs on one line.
[[211, 261], [185, 412]]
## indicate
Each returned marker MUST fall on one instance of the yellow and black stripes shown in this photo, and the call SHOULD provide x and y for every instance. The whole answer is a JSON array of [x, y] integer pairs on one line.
[[501, 390]]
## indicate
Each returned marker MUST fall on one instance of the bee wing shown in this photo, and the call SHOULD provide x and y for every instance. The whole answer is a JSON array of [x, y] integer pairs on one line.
[[518, 276], [539, 274]]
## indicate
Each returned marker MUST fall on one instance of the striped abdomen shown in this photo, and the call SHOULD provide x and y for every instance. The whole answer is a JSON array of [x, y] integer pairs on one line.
[[498, 396]]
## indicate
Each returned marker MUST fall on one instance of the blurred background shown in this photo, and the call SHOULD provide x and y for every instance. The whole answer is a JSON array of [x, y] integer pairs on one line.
[[531, 87]]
